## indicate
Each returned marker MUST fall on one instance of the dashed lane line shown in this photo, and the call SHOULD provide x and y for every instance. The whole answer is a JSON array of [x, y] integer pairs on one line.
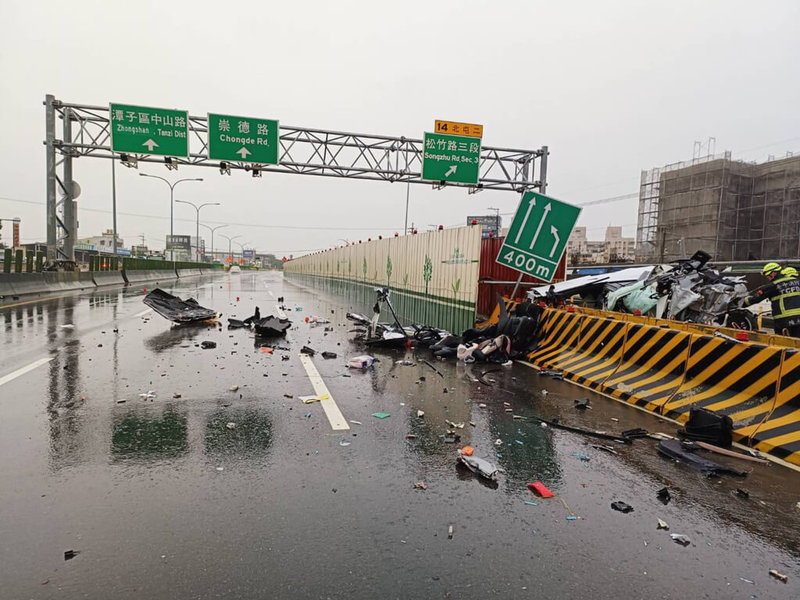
[[335, 416]]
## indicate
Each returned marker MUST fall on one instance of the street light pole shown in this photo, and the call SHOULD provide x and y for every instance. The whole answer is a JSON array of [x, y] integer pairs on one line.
[[230, 239], [212, 230], [171, 198], [197, 229]]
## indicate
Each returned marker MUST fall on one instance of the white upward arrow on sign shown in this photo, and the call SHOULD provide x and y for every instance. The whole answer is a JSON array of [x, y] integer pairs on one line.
[[150, 144], [547, 209], [531, 204], [243, 152], [554, 231]]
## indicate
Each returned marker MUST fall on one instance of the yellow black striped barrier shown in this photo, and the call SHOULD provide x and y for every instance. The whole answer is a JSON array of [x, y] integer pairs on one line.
[[669, 371]]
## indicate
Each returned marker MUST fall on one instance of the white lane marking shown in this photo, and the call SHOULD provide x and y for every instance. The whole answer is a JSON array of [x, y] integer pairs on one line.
[[141, 314], [12, 376], [335, 416]]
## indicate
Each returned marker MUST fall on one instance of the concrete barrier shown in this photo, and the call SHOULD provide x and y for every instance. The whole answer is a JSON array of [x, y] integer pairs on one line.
[[108, 278], [7, 284], [652, 367], [52, 282], [188, 272], [559, 336], [144, 276], [598, 352], [733, 378]]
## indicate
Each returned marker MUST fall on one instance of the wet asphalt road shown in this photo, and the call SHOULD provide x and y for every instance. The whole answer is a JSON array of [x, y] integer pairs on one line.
[[162, 501]]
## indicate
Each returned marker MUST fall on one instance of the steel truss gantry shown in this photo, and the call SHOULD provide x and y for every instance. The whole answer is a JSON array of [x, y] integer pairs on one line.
[[303, 151]]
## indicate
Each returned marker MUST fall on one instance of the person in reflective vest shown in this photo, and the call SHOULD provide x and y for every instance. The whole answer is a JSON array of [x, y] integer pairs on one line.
[[783, 290]]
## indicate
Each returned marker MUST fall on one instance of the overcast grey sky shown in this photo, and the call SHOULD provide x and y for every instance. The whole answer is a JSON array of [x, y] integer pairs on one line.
[[611, 87]]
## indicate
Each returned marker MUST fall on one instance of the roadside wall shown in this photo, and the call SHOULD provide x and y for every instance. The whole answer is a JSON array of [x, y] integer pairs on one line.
[[433, 276]]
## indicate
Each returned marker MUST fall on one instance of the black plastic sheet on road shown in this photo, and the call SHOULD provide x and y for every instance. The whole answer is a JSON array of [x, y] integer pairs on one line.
[[177, 310]]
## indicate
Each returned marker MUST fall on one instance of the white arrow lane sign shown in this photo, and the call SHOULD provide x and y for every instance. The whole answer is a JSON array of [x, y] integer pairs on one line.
[[547, 209], [450, 171], [243, 152], [150, 144], [554, 231], [531, 204]]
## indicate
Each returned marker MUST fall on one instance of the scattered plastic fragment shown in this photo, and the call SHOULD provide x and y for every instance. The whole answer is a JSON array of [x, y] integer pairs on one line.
[[622, 507], [450, 532], [208, 344], [742, 493], [420, 485], [538, 488], [778, 575], [361, 362], [681, 539], [582, 403], [343, 443], [220, 468], [662, 525], [380, 415], [356, 422], [454, 425], [664, 496], [307, 350], [571, 518], [70, 554], [498, 442], [176, 395], [327, 354], [520, 442], [750, 581], [405, 363], [467, 451], [288, 396], [308, 415], [234, 388], [583, 457], [411, 436], [311, 399], [267, 350], [451, 437], [231, 425], [544, 392], [420, 413], [530, 503], [482, 405], [480, 466]]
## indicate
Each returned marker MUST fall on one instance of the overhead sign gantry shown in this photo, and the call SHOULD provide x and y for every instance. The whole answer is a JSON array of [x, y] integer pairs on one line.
[[134, 134]]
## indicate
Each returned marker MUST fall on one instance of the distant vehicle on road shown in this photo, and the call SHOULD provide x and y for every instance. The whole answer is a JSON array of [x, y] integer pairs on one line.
[[236, 269]]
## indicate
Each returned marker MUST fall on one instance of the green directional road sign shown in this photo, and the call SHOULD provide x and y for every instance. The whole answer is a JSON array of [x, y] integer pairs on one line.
[[146, 130], [451, 158], [242, 139], [538, 235]]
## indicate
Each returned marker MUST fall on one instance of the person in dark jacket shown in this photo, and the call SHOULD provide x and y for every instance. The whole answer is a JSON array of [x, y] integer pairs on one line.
[[783, 290]]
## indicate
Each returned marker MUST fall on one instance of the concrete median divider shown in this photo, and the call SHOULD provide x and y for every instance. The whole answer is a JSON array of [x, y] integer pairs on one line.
[[737, 379], [778, 433], [559, 336], [652, 366], [598, 352], [102, 278], [188, 272], [669, 371], [149, 275]]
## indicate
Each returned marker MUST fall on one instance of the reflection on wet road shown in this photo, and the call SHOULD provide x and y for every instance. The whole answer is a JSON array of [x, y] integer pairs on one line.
[[183, 472]]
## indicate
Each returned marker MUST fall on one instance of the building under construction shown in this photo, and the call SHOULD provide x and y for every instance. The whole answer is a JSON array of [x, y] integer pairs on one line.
[[733, 210]]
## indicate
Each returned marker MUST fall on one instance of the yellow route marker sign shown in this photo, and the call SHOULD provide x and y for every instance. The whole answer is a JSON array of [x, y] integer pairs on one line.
[[454, 128]]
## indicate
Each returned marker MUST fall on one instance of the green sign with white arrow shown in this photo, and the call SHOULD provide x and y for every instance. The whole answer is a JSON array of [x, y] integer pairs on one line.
[[538, 235], [451, 158], [242, 139], [146, 130]]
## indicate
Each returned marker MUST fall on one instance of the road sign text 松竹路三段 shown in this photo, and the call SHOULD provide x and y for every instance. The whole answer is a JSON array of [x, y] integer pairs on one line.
[[538, 235], [242, 139], [147, 130], [451, 158]]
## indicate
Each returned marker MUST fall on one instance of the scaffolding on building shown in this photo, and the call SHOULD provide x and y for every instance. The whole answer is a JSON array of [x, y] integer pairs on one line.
[[734, 210]]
